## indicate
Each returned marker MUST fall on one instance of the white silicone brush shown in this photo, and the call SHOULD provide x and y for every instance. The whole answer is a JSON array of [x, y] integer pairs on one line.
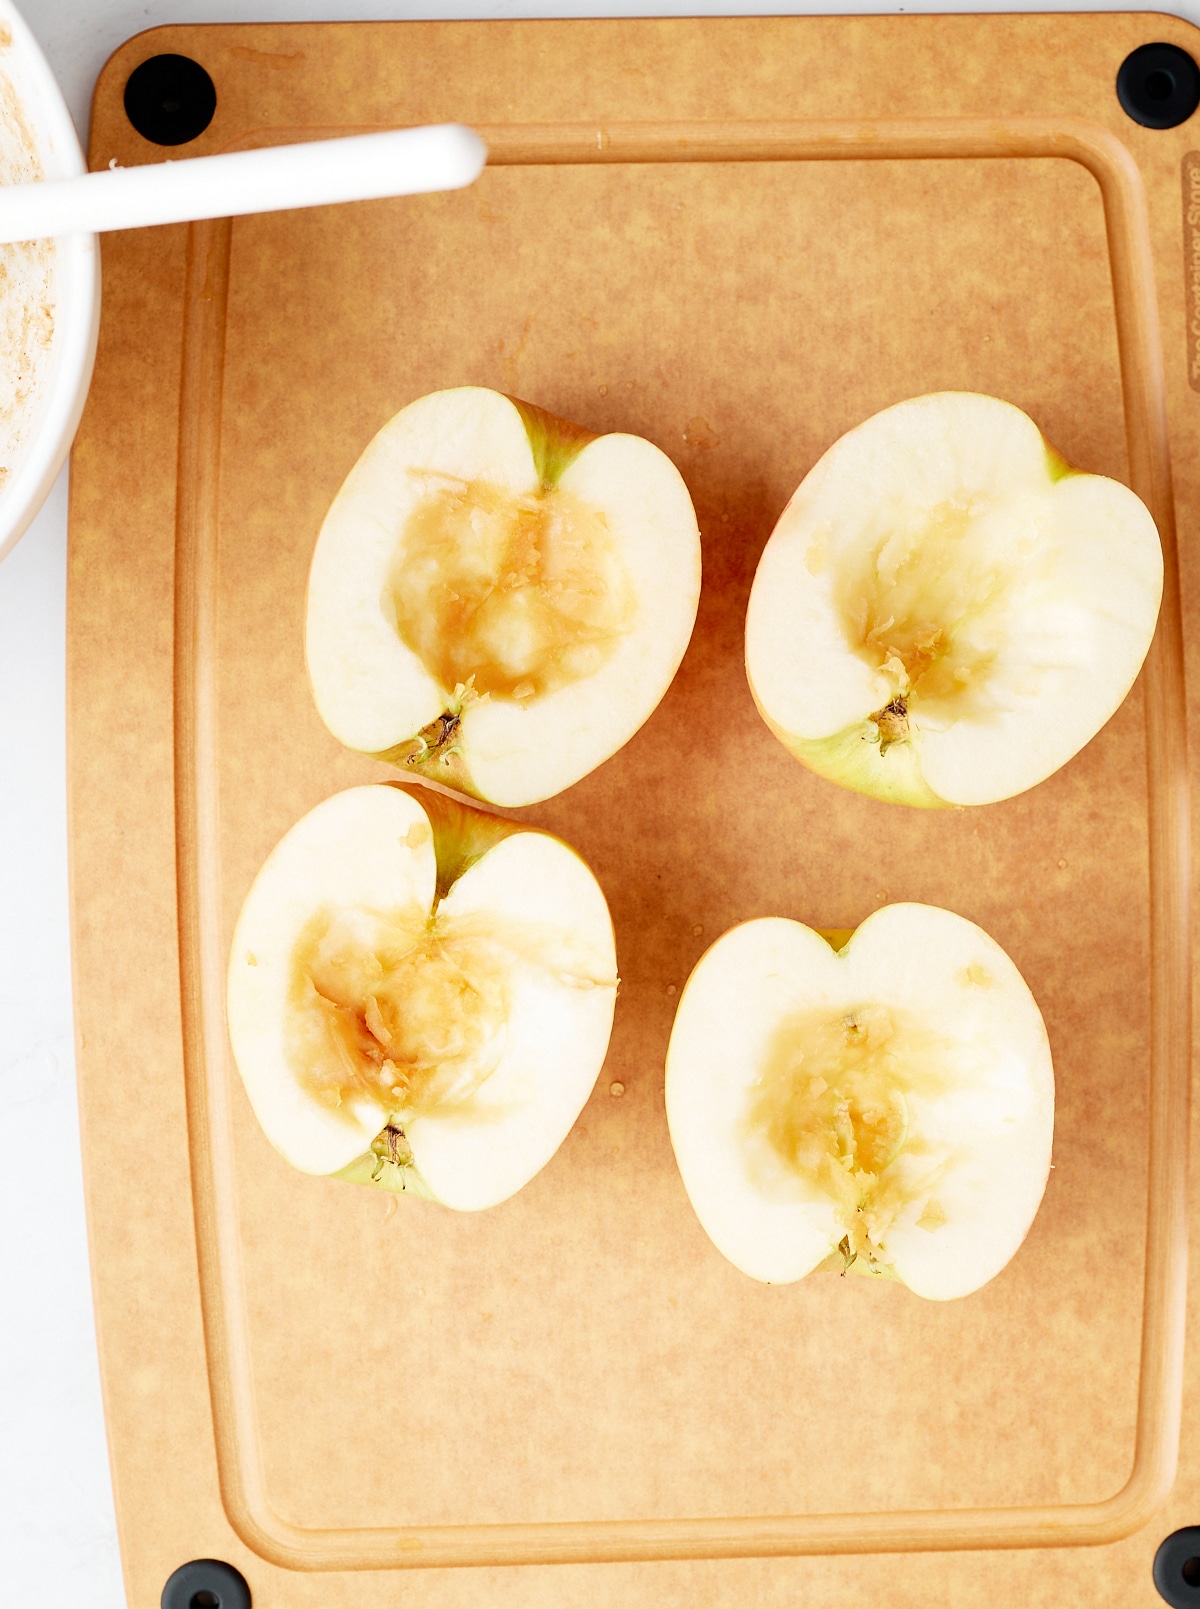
[[359, 167]]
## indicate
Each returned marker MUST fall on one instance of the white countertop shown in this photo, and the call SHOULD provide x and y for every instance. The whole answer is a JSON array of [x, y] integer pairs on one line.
[[57, 1532]]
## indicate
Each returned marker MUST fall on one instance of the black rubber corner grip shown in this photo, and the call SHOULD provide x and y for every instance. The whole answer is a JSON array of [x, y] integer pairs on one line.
[[206, 1584], [1177, 1568], [170, 100], [1158, 86]]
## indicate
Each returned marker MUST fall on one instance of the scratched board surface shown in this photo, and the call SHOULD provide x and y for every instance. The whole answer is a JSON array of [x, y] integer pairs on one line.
[[583, 1352]]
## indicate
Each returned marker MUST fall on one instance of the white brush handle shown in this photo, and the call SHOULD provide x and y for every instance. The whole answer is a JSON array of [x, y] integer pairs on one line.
[[361, 167]]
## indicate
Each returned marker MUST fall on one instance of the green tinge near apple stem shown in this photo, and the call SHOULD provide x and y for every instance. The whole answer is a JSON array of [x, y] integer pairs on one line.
[[399, 1179], [554, 442], [1057, 467], [462, 833], [853, 758], [433, 752]]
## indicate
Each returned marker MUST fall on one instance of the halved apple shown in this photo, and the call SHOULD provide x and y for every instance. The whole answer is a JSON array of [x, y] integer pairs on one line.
[[947, 611], [886, 1108], [499, 599], [420, 994]]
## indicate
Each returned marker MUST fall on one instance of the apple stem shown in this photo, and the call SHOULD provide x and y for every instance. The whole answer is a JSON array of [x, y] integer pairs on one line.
[[390, 1148], [439, 739], [892, 723]]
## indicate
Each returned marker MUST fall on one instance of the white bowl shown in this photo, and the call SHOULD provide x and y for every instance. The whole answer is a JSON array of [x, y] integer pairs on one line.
[[76, 289]]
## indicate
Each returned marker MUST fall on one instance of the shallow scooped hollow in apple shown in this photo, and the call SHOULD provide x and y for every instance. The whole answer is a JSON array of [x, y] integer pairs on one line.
[[420, 994], [884, 1109], [499, 599], [947, 611]]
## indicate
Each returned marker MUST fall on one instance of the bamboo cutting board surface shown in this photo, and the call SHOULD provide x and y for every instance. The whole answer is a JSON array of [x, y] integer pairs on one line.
[[300, 1375]]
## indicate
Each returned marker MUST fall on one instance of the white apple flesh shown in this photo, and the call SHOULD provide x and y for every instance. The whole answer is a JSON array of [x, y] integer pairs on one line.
[[887, 1108], [420, 995], [499, 599], [947, 611]]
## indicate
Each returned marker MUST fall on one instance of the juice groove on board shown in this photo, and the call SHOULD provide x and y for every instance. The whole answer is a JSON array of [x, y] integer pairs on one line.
[[243, 1486]]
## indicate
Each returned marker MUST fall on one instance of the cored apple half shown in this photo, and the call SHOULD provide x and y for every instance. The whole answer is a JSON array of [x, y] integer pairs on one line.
[[499, 599], [420, 995], [887, 1108], [947, 611]]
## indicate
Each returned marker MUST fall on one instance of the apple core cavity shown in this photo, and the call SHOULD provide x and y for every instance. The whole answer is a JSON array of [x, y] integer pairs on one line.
[[402, 1009], [832, 1103], [512, 596], [926, 605]]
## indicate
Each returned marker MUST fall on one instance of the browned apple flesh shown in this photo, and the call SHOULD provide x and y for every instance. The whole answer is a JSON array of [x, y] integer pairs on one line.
[[510, 596], [404, 1009], [832, 1104], [926, 605]]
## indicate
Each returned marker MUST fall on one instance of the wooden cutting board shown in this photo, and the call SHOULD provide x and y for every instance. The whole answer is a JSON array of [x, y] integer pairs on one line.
[[344, 1397]]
